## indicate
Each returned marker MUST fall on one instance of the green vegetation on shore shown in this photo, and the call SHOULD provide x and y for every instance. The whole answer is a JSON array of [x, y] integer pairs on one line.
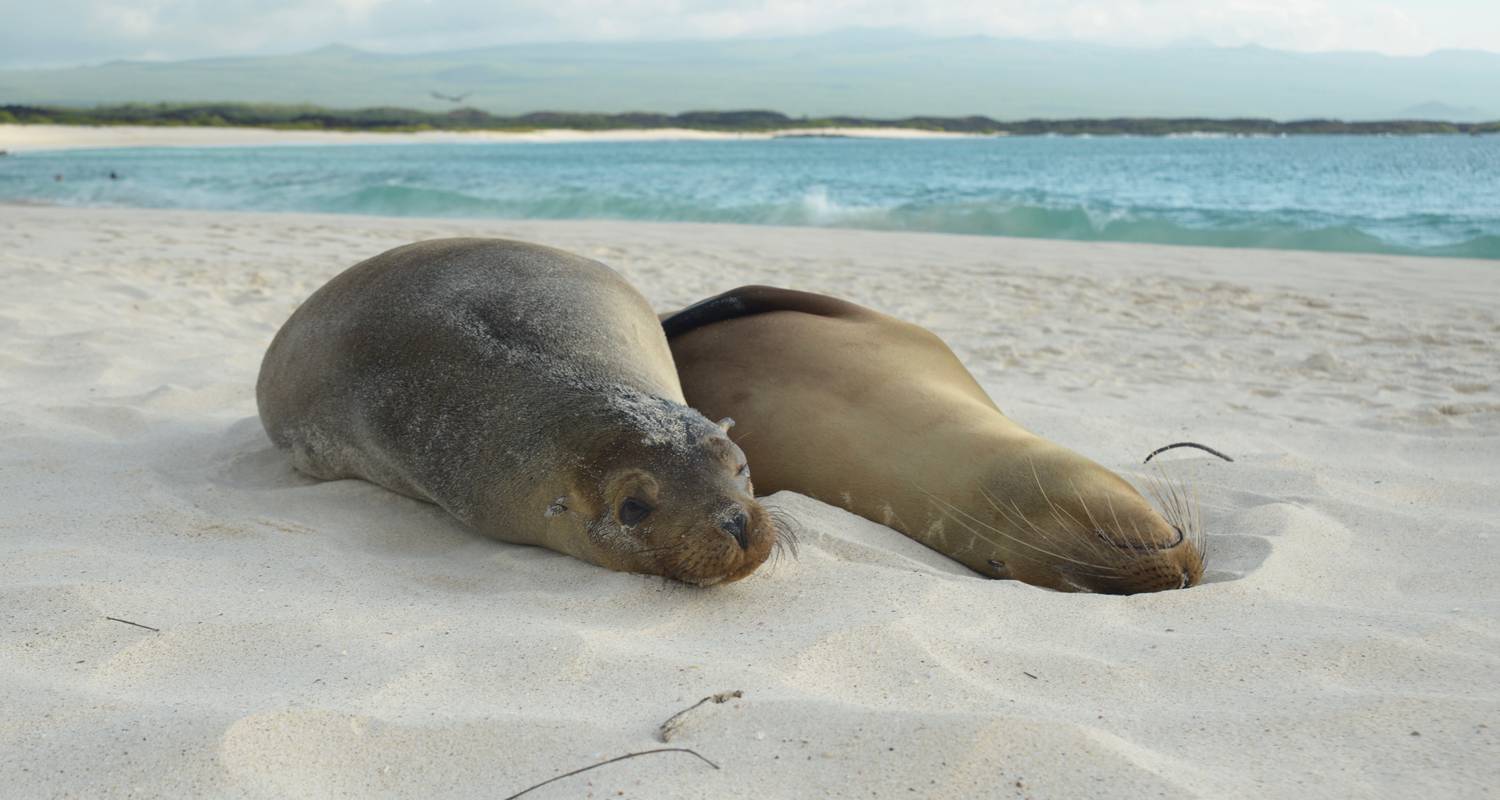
[[308, 117]]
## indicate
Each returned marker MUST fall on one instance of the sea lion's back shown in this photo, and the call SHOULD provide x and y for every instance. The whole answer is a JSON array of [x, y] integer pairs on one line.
[[383, 355], [479, 294]]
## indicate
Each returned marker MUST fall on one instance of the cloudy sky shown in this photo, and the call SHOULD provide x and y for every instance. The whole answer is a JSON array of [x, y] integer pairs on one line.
[[64, 32]]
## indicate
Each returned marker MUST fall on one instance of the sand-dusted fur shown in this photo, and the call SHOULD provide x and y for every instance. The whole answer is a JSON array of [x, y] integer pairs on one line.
[[876, 415], [527, 391]]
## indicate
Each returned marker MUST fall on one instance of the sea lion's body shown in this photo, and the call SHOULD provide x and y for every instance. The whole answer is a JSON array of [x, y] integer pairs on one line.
[[527, 391], [876, 415]]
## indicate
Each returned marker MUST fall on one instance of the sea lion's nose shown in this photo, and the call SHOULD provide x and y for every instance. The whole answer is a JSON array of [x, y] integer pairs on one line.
[[735, 526]]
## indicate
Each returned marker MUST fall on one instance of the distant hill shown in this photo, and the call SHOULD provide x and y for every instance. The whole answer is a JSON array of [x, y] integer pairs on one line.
[[854, 73], [1443, 111]]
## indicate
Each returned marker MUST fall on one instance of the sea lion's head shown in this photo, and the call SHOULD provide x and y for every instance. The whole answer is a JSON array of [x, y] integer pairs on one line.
[[671, 495], [1068, 523]]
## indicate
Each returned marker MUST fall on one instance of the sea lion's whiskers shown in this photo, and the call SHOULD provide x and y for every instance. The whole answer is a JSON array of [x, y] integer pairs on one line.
[[1178, 502], [1058, 513], [1134, 539], [957, 512], [1158, 494], [1149, 481], [1140, 538], [1104, 555], [1110, 503], [1038, 478], [1171, 491], [1173, 512], [1198, 518], [1075, 585], [788, 530], [773, 559], [787, 533], [952, 511], [1184, 503], [1024, 522], [1140, 543], [1182, 511], [1087, 512], [1090, 532], [1199, 541], [1187, 507], [1179, 494], [948, 509], [1096, 527], [1094, 533], [1190, 506], [1020, 520]]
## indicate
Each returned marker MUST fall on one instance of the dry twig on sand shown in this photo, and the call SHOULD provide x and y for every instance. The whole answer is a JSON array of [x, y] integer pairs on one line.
[[137, 624], [669, 728], [693, 753], [1205, 448]]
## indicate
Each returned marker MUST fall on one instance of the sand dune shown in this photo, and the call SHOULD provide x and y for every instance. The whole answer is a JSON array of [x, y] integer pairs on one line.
[[334, 639]]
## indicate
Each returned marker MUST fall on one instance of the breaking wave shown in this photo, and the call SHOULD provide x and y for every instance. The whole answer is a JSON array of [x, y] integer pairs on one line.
[[815, 208]]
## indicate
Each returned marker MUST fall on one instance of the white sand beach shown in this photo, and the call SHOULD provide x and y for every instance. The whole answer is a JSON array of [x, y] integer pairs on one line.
[[19, 138], [337, 640]]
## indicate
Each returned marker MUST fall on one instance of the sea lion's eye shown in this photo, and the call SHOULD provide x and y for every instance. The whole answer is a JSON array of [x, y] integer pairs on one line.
[[632, 511]]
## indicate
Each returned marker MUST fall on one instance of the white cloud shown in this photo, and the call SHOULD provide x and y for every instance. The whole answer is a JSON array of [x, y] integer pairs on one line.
[[93, 30], [133, 20]]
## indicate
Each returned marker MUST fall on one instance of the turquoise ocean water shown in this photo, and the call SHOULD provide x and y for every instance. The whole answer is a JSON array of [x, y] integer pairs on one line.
[[1434, 195]]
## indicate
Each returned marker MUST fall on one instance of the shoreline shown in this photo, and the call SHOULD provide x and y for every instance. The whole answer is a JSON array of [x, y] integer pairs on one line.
[[996, 239], [35, 138], [1328, 271]]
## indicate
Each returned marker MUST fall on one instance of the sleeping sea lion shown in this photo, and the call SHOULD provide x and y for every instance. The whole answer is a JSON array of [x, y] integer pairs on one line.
[[527, 391], [862, 410]]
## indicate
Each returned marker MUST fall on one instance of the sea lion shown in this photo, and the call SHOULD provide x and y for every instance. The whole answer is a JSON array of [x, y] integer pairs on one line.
[[862, 410], [527, 391]]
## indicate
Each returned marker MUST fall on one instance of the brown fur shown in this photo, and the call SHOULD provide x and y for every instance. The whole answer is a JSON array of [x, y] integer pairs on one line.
[[870, 413], [527, 391]]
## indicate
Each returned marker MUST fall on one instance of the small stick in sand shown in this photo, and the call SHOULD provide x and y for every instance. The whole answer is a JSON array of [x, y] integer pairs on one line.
[[137, 624], [669, 728], [1174, 445], [693, 753]]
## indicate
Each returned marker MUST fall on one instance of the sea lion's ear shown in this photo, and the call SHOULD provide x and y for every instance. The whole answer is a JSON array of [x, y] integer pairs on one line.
[[726, 423]]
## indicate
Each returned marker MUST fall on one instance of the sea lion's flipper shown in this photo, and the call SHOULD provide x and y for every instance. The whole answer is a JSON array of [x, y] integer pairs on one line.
[[747, 301]]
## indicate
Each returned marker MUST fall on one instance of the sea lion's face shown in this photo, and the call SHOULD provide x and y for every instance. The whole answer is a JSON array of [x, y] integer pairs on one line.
[[1073, 525], [685, 511]]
